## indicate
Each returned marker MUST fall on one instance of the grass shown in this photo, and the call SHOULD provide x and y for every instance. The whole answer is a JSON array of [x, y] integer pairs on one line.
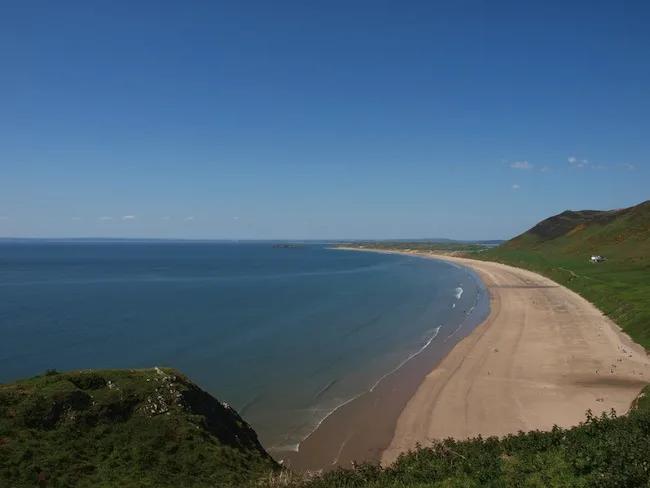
[[618, 289], [75, 429], [155, 428], [604, 451], [619, 286], [122, 428]]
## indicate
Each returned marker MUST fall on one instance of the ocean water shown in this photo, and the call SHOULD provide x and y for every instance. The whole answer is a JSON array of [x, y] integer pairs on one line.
[[285, 336]]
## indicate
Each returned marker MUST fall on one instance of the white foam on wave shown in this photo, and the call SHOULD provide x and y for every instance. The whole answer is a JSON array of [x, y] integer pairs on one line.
[[453, 305], [296, 447], [435, 333], [467, 314], [281, 447], [325, 388], [287, 448], [318, 424]]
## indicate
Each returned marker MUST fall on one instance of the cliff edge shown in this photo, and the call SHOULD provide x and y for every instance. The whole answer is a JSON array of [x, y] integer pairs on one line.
[[151, 427]]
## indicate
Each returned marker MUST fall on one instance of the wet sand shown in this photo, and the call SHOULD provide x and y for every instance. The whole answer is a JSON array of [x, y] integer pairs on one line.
[[362, 429], [544, 356]]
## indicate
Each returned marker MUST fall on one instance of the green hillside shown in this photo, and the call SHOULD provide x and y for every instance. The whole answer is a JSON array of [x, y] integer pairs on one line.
[[155, 428], [123, 428], [560, 247], [622, 233]]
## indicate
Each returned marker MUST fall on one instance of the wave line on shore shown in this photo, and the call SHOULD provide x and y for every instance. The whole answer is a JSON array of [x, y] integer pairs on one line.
[[250, 403], [459, 291], [467, 314], [437, 329], [318, 424], [324, 389]]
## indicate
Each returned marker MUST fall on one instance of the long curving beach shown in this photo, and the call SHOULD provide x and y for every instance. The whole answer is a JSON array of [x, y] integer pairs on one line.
[[544, 356]]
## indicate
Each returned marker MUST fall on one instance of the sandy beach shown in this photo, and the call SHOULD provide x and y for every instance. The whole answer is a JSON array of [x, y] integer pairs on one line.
[[544, 356], [363, 428]]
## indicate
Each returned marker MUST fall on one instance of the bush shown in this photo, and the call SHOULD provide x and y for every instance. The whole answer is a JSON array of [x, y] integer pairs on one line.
[[604, 451], [87, 381], [36, 413]]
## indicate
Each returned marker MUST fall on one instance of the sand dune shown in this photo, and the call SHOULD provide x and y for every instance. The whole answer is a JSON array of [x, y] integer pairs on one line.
[[545, 356]]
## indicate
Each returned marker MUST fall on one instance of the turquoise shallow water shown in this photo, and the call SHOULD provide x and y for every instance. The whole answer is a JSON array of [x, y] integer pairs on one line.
[[283, 335]]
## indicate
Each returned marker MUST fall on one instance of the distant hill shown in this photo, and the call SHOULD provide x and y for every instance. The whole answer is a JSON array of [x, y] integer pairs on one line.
[[622, 233], [446, 246], [437, 240], [125, 428], [560, 247]]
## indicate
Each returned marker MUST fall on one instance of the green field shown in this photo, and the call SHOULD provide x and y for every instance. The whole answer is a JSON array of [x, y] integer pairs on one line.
[[560, 247]]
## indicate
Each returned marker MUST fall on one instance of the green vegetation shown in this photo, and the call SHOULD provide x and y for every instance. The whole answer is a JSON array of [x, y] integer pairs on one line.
[[155, 428], [123, 428], [560, 248], [139, 428], [605, 451]]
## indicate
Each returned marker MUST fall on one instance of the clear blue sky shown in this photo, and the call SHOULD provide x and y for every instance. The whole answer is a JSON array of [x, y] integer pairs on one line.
[[319, 119]]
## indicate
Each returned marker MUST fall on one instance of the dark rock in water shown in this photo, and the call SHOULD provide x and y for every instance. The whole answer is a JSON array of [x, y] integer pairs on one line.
[[288, 246]]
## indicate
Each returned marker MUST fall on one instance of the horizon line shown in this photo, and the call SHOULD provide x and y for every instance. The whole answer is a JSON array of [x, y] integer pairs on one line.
[[209, 239]]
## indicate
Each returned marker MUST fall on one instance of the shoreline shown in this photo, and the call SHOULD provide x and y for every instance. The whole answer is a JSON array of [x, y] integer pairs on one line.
[[544, 356], [362, 428]]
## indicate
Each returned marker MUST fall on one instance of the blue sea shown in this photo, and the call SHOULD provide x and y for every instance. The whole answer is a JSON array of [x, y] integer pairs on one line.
[[285, 336]]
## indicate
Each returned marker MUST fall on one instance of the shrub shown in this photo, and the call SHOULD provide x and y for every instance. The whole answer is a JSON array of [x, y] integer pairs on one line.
[[87, 381], [36, 413]]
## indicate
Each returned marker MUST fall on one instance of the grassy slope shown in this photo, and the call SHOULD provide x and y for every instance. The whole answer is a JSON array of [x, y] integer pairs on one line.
[[122, 428], [605, 451], [560, 248], [74, 432]]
